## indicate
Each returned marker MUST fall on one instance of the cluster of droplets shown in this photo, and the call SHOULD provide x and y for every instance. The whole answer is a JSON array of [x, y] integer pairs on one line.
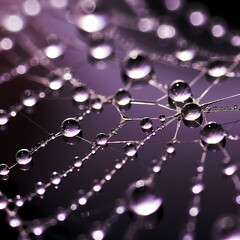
[[137, 67]]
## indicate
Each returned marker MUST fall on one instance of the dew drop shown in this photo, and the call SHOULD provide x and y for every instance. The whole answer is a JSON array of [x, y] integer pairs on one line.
[[130, 149], [4, 169], [81, 94], [143, 199], [101, 139], [212, 133], [137, 65], [101, 50], [3, 117], [89, 17], [230, 169], [55, 178], [70, 127], [170, 149], [179, 91], [14, 221], [146, 123], [122, 98], [29, 98], [40, 188], [23, 157], [97, 234], [97, 104], [191, 111], [3, 202], [77, 162], [227, 228], [216, 69], [55, 82], [197, 188]]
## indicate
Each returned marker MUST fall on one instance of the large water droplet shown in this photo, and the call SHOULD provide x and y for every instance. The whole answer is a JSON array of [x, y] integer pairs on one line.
[[143, 199], [216, 69], [122, 97], [97, 234], [146, 123], [70, 127], [40, 188], [3, 202], [101, 139], [29, 98], [179, 91], [55, 178], [23, 157], [137, 65], [130, 149], [4, 169], [191, 111], [55, 82], [88, 17], [77, 162], [14, 221], [3, 117], [227, 228], [81, 94], [101, 50], [97, 104], [212, 133]]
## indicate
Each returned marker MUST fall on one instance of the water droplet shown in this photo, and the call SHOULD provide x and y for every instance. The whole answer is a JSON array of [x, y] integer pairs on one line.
[[191, 111], [216, 69], [101, 139], [38, 230], [230, 169], [197, 18], [55, 178], [212, 133], [101, 49], [61, 215], [55, 82], [122, 97], [70, 127], [97, 104], [3, 117], [23, 157], [146, 123], [194, 211], [4, 169], [162, 118], [179, 91], [77, 162], [143, 198], [3, 201], [227, 228], [14, 221], [130, 149], [137, 65], [29, 98], [197, 188], [166, 31], [40, 188], [89, 17], [97, 186], [185, 52], [81, 94], [98, 234], [170, 149], [19, 201], [82, 198], [54, 50]]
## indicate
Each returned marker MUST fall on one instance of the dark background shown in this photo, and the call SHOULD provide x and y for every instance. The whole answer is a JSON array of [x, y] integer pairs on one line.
[[175, 180]]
